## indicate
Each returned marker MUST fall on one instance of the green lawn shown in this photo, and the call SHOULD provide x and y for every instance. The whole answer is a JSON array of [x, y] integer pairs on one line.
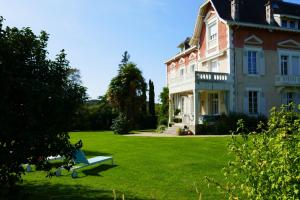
[[145, 168]]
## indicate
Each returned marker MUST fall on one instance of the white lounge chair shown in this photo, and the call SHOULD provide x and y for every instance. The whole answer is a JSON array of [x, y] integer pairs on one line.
[[82, 161]]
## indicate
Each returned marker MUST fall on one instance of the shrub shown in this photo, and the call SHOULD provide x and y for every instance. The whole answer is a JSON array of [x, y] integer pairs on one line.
[[121, 125], [161, 128], [179, 131], [163, 121], [266, 162], [227, 123]]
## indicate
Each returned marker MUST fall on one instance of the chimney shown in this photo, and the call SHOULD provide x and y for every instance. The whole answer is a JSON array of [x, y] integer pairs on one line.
[[235, 9], [269, 12]]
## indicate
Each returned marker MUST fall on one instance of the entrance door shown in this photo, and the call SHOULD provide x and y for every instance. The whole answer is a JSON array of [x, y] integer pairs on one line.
[[213, 103]]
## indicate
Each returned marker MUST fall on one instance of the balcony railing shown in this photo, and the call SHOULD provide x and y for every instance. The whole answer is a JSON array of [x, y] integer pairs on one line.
[[287, 80], [211, 77], [189, 81]]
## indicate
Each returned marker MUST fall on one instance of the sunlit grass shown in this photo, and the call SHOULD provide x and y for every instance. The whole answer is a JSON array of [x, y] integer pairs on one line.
[[145, 168]]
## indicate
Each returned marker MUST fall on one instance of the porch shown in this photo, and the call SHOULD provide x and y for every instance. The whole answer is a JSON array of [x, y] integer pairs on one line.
[[189, 110]]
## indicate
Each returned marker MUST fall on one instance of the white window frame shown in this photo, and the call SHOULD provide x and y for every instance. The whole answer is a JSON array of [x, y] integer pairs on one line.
[[259, 93], [290, 54], [208, 102], [208, 22], [210, 65], [253, 102], [258, 51]]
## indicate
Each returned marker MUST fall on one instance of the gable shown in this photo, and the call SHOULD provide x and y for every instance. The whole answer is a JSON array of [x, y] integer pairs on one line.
[[289, 43], [253, 40]]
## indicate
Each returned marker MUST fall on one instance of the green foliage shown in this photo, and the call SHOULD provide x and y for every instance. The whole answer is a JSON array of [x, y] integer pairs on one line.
[[224, 124], [94, 115], [164, 109], [151, 98], [126, 92], [161, 128], [266, 164], [163, 121], [121, 125], [38, 100]]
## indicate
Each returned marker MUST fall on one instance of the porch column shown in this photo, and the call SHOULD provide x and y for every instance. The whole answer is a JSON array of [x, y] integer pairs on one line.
[[196, 108]]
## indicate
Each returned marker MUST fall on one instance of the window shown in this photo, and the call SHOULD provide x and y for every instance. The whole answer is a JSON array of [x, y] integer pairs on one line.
[[212, 35], [213, 102], [181, 72], [252, 62], [214, 66], [289, 97], [253, 102], [192, 68], [292, 24], [284, 64], [284, 23]]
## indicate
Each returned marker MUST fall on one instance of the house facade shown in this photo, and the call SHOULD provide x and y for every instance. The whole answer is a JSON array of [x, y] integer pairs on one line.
[[243, 57]]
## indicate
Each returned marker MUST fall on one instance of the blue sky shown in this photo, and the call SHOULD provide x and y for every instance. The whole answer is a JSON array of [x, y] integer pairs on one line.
[[95, 33]]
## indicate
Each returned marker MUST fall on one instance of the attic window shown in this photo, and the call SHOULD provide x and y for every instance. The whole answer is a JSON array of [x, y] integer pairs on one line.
[[287, 23]]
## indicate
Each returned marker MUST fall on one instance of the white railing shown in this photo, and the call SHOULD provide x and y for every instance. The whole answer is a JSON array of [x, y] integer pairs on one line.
[[211, 77], [287, 80]]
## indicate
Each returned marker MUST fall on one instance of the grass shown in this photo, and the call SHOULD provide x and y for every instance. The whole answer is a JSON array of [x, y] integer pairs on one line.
[[145, 168]]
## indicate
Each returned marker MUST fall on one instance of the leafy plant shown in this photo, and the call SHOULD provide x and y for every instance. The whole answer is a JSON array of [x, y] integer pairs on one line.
[[121, 125], [266, 162], [161, 128]]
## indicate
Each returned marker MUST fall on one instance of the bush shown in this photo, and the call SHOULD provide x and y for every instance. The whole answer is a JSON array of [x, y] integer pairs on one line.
[[266, 162], [161, 128], [179, 131], [227, 123], [121, 125], [163, 121]]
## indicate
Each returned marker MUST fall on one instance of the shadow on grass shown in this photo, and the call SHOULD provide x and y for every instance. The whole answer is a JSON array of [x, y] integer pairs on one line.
[[97, 170], [60, 191]]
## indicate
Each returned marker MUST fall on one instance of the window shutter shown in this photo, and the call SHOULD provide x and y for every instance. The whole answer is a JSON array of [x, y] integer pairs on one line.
[[246, 102], [262, 102], [262, 64], [245, 62], [297, 99]]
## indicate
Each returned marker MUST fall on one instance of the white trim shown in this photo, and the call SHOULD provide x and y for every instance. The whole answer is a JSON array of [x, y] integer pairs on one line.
[[181, 61], [214, 56], [283, 43], [258, 40], [207, 40], [192, 56], [181, 54], [290, 54], [288, 16], [269, 27]]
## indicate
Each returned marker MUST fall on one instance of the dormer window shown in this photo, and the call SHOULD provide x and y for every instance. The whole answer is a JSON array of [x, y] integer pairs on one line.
[[284, 23], [288, 23]]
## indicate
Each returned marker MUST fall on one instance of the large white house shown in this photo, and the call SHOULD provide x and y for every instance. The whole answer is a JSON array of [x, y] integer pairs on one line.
[[244, 57]]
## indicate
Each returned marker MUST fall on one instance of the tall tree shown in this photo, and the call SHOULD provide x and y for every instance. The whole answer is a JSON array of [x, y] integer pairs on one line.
[[125, 92], [151, 99], [125, 59], [164, 110], [38, 100]]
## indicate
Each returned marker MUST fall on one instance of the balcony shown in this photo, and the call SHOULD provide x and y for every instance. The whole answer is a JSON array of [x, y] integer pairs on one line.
[[287, 80], [200, 80]]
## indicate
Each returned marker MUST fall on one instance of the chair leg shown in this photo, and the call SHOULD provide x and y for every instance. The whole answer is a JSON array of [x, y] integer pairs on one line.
[[28, 168], [74, 174], [58, 171]]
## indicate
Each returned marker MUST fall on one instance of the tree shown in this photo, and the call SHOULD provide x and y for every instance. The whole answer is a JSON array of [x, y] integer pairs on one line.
[[151, 99], [266, 162], [164, 110], [39, 97], [125, 93]]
